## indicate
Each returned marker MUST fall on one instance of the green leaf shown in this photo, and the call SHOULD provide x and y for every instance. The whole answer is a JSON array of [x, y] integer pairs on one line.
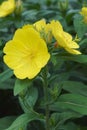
[[83, 42], [77, 58], [75, 102], [22, 120], [6, 75], [69, 126], [75, 87], [28, 102], [8, 84], [80, 26], [58, 78], [70, 13], [5, 122], [31, 96], [30, 14], [58, 119], [20, 85]]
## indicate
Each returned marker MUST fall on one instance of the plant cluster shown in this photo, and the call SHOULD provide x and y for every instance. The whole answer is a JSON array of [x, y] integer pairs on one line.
[[43, 60]]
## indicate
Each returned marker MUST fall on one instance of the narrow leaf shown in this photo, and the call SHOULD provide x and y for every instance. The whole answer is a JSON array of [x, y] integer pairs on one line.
[[76, 58], [22, 120], [20, 85], [60, 118], [75, 102], [5, 122], [75, 87], [28, 102], [6, 75], [80, 26]]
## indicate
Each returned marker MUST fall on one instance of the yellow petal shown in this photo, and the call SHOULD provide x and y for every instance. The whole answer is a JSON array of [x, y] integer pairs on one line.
[[26, 54], [67, 36], [40, 25], [27, 26], [7, 7], [60, 38], [69, 42], [73, 45], [28, 70], [44, 52], [56, 26], [64, 40], [72, 51], [84, 11]]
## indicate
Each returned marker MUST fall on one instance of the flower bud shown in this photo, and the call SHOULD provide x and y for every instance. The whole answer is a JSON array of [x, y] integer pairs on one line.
[[63, 5], [19, 7]]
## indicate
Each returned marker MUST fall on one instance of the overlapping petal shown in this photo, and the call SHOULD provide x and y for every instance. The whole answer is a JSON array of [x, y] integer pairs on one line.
[[63, 38], [26, 54]]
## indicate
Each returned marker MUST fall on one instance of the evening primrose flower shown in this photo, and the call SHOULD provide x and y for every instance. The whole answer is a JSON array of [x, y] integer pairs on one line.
[[26, 53], [84, 13], [7, 7], [63, 38]]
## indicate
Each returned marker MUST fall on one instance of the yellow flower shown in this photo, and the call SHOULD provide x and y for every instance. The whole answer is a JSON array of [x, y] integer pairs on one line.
[[39, 25], [63, 38], [7, 8], [26, 53], [44, 29], [27, 26], [84, 13], [56, 26]]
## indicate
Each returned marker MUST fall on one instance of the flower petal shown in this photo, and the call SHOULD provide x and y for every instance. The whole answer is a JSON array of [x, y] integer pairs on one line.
[[27, 53], [73, 51], [7, 7], [40, 24]]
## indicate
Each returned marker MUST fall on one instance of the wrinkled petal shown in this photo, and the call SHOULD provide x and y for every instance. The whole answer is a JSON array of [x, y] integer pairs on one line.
[[63, 38]]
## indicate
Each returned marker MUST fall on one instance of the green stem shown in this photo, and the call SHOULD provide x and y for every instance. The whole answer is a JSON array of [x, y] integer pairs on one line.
[[45, 86]]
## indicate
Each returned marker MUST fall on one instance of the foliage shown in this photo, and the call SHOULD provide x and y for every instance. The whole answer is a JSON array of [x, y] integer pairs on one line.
[[67, 82]]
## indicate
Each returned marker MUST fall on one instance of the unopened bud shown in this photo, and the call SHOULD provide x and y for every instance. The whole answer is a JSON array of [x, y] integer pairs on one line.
[[19, 7], [63, 5]]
